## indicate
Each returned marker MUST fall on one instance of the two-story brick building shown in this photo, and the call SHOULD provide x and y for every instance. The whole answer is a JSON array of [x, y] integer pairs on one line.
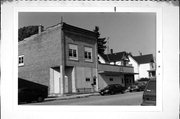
[[64, 58]]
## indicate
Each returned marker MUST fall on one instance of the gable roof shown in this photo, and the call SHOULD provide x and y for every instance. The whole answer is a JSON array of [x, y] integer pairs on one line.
[[114, 56], [144, 59]]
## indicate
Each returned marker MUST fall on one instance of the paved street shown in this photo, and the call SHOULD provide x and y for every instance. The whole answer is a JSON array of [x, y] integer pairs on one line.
[[134, 98]]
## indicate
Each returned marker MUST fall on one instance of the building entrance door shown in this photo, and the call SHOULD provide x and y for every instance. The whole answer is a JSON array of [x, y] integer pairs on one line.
[[94, 83], [56, 76], [54, 83]]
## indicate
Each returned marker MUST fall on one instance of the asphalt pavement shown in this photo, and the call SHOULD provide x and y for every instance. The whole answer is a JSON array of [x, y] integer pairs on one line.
[[134, 98]]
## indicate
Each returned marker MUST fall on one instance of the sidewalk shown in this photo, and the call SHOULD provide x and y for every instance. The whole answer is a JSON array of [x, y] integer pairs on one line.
[[73, 96]]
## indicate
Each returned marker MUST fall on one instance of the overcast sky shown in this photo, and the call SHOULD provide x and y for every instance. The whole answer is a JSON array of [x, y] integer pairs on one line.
[[131, 32]]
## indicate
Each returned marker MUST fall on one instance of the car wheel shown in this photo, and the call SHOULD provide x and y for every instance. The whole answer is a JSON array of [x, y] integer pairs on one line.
[[101, 93], [40, 99]]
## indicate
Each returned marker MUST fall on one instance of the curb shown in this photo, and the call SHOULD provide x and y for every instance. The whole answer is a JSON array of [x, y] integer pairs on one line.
[[70, 97]]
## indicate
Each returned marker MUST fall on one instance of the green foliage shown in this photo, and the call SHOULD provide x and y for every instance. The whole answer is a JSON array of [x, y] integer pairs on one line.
[[28, 31], [100, 41]]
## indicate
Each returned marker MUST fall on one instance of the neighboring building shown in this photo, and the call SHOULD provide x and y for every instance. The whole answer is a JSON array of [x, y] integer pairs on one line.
[[64, 58], [120, 60], [144, 65]]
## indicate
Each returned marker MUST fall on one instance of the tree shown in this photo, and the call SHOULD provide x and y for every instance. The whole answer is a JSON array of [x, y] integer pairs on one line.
[[28, 31], [101, 43]]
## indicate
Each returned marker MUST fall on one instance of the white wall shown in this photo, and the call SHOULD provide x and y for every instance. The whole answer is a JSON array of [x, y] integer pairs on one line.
[[118, 63], [136, 67], [143, 70]]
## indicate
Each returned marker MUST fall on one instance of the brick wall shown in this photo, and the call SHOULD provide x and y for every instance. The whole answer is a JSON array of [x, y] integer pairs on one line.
[[82, 42], [82, 74], [41, 52]]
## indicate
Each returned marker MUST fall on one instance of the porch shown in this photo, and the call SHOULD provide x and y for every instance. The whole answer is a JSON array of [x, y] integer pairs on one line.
[[115, 69], [115, 74]]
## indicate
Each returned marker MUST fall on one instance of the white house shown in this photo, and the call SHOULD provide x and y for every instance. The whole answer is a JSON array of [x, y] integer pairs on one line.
[[118, 58], [144, 65]]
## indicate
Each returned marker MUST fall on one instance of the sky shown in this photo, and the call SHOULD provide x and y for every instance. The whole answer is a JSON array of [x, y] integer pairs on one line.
[[130, 32]]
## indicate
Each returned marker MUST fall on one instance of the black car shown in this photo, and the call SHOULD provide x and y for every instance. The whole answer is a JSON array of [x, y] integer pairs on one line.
[[149, 95], [112, 89], [28, 95], [133, 88], [142, 87]]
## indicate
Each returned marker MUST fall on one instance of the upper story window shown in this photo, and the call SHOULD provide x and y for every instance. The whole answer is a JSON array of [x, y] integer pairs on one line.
[[21, 60], [73, 52], [88, 79], [88, 54]]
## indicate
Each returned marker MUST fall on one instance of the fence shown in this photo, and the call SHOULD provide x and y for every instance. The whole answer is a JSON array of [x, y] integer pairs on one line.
[[84, 90]]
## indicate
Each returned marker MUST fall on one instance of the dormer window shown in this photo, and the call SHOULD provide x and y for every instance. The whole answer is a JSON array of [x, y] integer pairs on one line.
[[73, 52], [88, 54], [21, 60]]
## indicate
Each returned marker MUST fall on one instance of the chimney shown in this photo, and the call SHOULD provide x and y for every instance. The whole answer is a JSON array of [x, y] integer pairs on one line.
[[39, 29], [111, 51]]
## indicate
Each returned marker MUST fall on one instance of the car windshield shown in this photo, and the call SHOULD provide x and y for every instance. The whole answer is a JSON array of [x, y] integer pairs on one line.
[[118, 86], [109, 86]]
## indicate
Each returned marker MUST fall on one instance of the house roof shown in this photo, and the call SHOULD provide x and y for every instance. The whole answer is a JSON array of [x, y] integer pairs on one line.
[[78, 30], [142, 59], [113, 57]]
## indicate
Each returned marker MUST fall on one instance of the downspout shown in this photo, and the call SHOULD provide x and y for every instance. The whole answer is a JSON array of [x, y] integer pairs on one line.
[[96, 59]]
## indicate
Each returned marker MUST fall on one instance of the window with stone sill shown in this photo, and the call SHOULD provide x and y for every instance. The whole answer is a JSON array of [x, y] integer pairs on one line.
[[88, 54], [73, 52]]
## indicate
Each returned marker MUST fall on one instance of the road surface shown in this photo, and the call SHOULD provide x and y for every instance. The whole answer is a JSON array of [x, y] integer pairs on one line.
[[134, 98]]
